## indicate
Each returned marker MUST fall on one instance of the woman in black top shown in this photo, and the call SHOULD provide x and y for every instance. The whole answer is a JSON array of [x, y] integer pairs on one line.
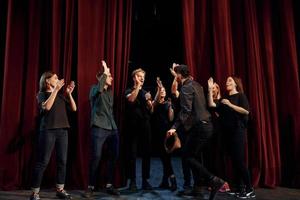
[[233, 110], [53, 131], [163, 114]]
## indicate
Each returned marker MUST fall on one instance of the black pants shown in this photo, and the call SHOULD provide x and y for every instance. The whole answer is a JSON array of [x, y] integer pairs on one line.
[[99, 137], [235, 143], [47, 140], [196, 141], [186, 170], [139, 135]]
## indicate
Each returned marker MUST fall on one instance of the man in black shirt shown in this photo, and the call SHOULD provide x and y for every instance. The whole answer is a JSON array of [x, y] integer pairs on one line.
[[195, 120], [138, 106]]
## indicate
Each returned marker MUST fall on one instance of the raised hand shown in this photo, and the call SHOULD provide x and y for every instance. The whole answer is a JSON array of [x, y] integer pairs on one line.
[[70, 87], [159, 83], [148, 96], [106, 69], [60, 84], [210, 83], [172, 70], [137, 82]]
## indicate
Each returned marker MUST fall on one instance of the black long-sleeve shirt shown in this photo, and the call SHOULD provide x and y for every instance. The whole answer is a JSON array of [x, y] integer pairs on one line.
[[102, 106], [193, 107]]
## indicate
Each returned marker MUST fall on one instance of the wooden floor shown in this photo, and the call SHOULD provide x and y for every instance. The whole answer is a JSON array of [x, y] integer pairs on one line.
[[261, 194]]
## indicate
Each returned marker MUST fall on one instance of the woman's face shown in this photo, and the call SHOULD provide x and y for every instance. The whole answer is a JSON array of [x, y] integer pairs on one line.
[[215, 90], [163, 92], [52, 81], [230, 84]]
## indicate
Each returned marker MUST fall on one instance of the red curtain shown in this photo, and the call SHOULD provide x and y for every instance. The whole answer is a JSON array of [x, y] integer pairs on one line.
[[255, 40], [252, 39], [69, 37]]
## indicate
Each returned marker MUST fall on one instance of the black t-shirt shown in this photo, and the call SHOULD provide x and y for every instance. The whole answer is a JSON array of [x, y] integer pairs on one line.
[[230, 118], [161, 117], [138, 109], [56, 117]]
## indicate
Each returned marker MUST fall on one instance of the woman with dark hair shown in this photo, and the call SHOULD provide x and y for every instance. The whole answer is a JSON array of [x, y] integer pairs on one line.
[[163, 115], [233, 110], [54, 126]]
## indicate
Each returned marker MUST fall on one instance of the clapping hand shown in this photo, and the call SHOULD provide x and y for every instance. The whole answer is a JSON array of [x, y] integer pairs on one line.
[[70, 87], [60, 84], [210, 83]]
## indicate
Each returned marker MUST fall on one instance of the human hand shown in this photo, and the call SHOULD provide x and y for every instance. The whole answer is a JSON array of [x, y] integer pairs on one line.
[[70, 87], [210, 83], [59, 84]]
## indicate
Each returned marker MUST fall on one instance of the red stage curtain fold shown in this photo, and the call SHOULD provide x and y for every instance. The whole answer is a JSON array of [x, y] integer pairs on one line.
[[244, 44], [68, 37]]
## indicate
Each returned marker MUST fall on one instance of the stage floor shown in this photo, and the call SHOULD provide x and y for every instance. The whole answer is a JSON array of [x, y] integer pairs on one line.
[[261, 193]]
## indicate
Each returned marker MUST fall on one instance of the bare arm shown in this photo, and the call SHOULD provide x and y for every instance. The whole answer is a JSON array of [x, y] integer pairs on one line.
[[174, 87], [210, 100], [238, 109], [47, 105], [69, 91], [133, 95], [170, 110]]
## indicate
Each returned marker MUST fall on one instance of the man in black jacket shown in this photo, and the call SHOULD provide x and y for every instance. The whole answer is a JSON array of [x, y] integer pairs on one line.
[[195, 120]]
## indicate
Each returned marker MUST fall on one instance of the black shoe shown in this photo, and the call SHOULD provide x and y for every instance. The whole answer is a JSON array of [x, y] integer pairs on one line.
[[216, 184], [35, 196], [185, 192], [187, 185], [88, 193], [173, 183], [246, 193], [164, 184], [62, 194], [132, 186], [111, 190], [146, 185]]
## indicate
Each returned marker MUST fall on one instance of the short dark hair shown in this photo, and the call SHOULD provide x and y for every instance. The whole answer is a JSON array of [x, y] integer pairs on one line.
[[183, 70]]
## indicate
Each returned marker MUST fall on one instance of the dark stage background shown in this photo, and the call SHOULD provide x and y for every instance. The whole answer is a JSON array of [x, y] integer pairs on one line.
[[256, 40]]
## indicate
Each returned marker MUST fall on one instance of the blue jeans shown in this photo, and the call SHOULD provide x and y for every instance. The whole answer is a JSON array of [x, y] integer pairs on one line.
[[47, 140], [99, 136]]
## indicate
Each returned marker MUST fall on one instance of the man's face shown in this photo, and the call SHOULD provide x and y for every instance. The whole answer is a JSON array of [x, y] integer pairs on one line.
[[109, 79], [179, 77], [139, 77]]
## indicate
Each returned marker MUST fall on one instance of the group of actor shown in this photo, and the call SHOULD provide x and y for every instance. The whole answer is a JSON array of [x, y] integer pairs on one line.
[[188, 113]]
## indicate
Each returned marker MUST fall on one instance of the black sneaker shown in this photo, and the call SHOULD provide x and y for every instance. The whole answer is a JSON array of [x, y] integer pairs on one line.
[[146, 185], [246, 193], [173, 183], [88, 193], [62, 194], [216, 185], [34, 196], [111, 190]]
